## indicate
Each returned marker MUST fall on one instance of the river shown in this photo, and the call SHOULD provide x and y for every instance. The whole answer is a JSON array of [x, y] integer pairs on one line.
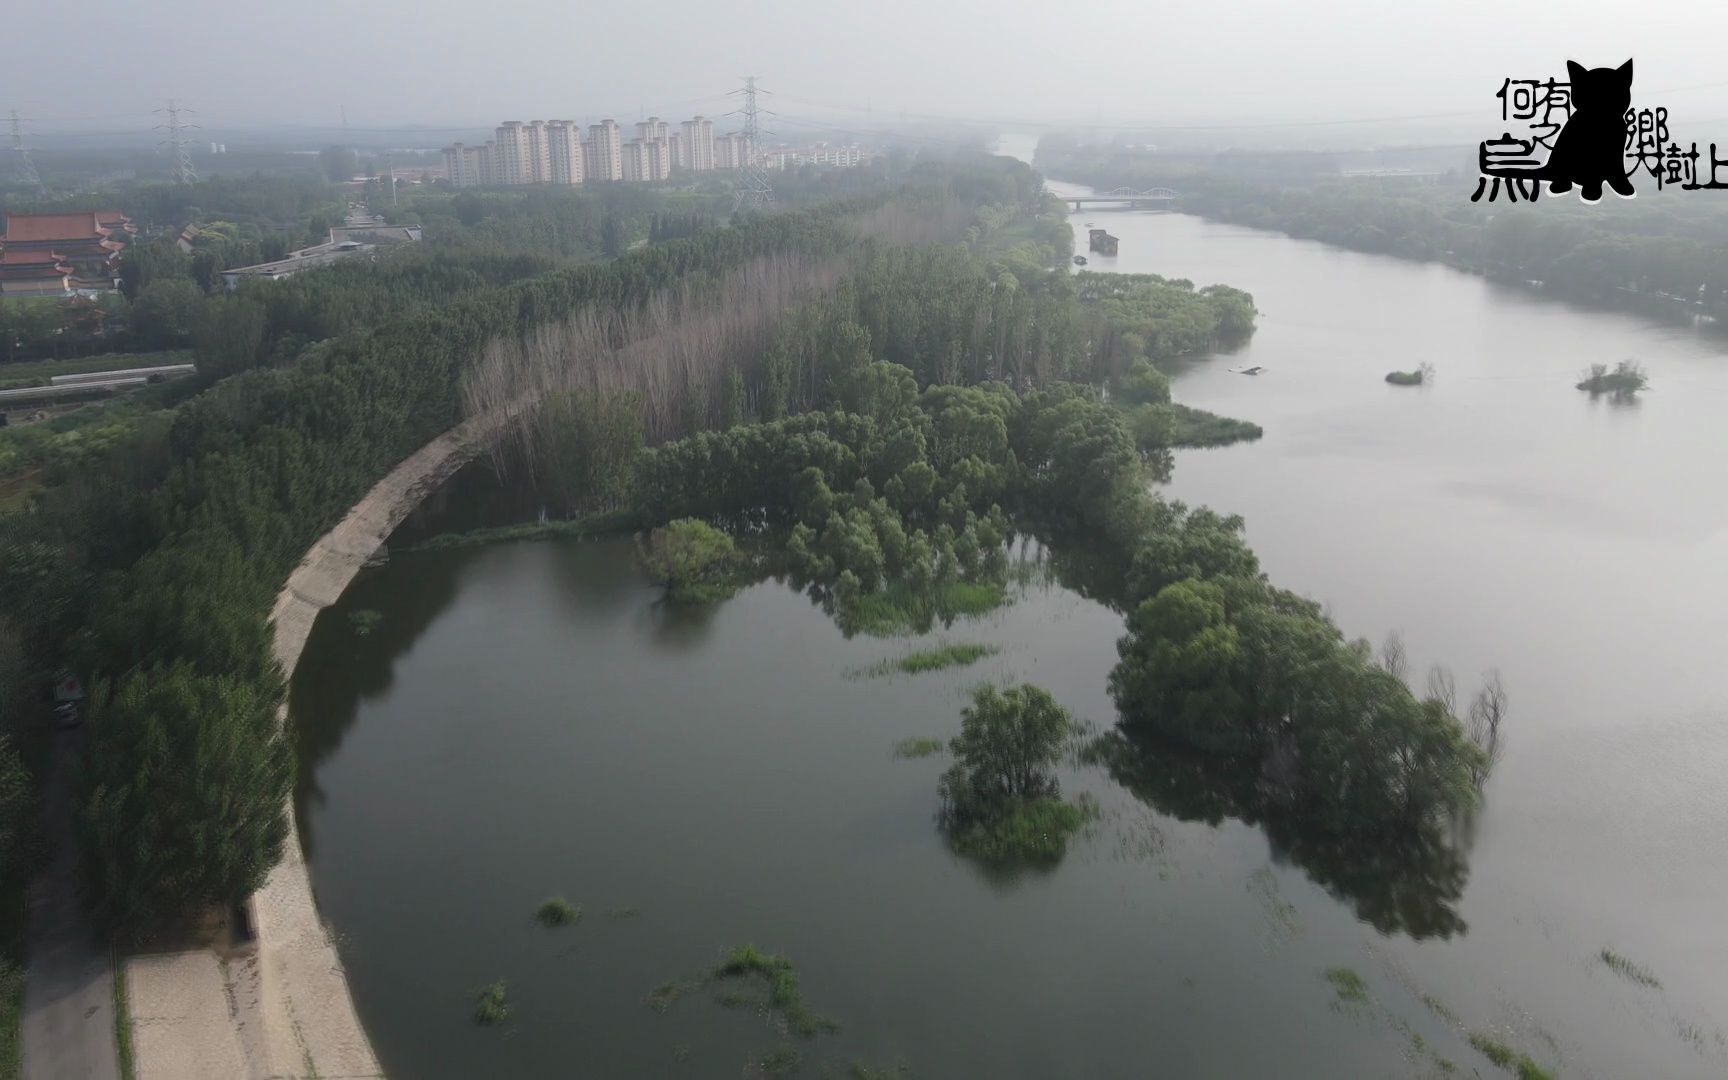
[[527, 721]]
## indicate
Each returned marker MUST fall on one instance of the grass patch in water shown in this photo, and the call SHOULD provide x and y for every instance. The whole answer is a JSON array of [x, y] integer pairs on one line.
[[901, 609], [623, 912], [919, 747], [1438, 1008], [557, 911], [862, 1070], [1033, 830], [661, 997], [1638, 973], [780, 1061], [739, 999], [943, 656], [492, 1006], [364, 621], [1509, 1059], [1349, 986], [779, 993]]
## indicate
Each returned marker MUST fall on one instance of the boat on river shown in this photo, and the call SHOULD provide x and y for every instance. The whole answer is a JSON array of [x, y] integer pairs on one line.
[[1255, 369]]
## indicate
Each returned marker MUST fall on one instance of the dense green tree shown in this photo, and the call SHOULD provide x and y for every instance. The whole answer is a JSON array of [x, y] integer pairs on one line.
[[166, 313], [692, 559], [188, 795], [1000, 798]]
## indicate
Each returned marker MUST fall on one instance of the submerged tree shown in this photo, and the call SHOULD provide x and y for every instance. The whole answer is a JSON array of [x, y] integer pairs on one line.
[[1000, 800], [1624, 381], [691, 558]]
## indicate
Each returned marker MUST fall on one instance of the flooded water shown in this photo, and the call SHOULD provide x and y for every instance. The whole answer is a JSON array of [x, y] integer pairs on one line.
[[527, 721]]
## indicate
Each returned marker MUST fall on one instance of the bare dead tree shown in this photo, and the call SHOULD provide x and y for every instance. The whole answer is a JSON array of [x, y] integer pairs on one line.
[[1393, 658], [1442, 687], [673, 351], [1487, 713]]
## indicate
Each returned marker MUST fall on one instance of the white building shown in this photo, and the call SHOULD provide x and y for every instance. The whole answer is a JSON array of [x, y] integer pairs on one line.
[[470, 166], [604, 150], [697, 136], [733, 151], [564, 152]]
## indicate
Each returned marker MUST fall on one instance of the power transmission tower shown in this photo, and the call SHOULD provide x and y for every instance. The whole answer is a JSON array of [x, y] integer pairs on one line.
[[184, 173], [754, 192], [27, 173]]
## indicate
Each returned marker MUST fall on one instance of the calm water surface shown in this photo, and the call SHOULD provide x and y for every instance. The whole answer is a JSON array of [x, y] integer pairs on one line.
[[527, 721]]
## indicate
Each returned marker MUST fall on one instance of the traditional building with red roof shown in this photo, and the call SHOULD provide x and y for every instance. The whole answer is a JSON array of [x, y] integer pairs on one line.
[[89, 241], [34, 273]]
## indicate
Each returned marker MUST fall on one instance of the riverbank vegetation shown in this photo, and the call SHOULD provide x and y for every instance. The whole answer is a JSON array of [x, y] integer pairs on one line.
[[1663, 255], [151, 569]]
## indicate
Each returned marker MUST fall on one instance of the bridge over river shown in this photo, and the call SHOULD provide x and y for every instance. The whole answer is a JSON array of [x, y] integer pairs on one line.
[[1122, 198]]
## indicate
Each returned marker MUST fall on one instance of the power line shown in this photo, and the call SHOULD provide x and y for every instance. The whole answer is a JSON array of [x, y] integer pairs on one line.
[[184, 172], [754, 192], [27, 173]]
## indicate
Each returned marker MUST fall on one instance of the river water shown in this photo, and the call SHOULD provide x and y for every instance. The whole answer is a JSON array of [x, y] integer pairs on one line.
[[527, 721]]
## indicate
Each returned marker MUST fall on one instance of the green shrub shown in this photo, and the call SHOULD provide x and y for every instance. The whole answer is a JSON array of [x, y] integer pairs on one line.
[[492, 1006], [557, 911]]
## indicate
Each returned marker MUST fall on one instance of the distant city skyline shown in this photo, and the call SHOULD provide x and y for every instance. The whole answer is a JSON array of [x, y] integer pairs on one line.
[[1102, 62]]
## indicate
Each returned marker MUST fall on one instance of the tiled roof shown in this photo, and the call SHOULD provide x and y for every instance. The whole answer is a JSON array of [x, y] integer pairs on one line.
[[27, 258], [29, 228]]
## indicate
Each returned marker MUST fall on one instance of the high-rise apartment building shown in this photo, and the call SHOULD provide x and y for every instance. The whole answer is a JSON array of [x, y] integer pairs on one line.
[[470, 166], [607, 155], [733, 151], [512, 157], [698, 141], [564, 157], [647, 159]]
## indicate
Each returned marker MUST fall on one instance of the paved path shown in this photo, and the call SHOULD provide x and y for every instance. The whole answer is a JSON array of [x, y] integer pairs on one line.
[[68, 1022]]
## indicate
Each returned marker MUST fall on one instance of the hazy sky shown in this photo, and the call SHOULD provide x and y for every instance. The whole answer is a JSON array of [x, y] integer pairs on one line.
[[102, 64]]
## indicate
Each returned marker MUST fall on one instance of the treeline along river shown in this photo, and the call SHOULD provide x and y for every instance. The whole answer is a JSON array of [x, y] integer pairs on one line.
[[528, 720]]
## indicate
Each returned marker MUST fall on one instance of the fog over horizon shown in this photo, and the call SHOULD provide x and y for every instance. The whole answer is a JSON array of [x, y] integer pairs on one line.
[[444, 67]]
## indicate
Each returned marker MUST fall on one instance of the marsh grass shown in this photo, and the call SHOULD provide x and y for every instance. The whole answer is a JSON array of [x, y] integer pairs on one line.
[[900, 609], [1638, 973], [1351, 988], [492, 1006], [777, 990], [663, 996], [1509, 1059], [918, 747], [557, 911], [943, 656], [364, 621], [1438, 1008], [780, 1061]]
